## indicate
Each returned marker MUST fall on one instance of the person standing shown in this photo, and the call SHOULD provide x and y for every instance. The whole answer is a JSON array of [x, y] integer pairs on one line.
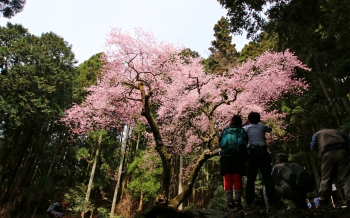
[[233, 156], [332, 147], [259, 159]]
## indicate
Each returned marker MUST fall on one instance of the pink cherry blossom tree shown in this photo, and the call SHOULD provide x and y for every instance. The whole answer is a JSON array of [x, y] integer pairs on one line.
[[142, 76]]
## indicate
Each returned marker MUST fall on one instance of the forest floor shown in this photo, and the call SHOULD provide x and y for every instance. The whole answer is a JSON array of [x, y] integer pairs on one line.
[[325, 212], [282, 213]]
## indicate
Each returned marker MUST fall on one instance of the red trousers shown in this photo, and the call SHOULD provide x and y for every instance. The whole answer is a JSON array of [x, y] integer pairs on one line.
[[231, 180]]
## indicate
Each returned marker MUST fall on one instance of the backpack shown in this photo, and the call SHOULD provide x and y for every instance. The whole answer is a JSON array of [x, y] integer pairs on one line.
[[300, 180], [233, 142]]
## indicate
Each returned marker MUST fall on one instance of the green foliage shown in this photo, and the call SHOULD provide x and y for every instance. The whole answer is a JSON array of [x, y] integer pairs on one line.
[[104, 213], [88, 73], [9, 8], [265, 42], [145, 172], [82, 153], [187, 53], [35, 76], [46, 184], [192, 207], [218, 201], [76, 199], [346, 125], [223, 53]]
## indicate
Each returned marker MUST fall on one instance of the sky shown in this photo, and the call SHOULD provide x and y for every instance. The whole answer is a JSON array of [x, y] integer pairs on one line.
[[85, 24]]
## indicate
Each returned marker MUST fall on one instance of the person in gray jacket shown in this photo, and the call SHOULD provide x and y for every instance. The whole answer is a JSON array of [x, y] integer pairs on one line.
[[280, 175], [333, 150]]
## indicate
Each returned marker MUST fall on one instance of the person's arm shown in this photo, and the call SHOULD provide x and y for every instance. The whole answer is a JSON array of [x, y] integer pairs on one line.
[[314, 143], [267, 128], [275, 173]]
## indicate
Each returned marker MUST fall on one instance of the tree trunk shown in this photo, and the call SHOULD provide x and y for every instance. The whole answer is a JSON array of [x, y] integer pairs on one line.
[[41, 192], [137, 143], [187, 190], [180, 178], [346, 104], [330, 101], [193, 194], [162, 198], [93, 169], [20, 178], [123, 149], [141, 201]]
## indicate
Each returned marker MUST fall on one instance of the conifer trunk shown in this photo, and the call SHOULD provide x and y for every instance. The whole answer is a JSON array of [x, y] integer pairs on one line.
[[93, 169], [330, 101], [48, 173], [123, 149], [141, 201]]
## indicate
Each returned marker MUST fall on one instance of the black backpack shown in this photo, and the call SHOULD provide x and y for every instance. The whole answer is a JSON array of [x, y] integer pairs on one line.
[[300, 180]]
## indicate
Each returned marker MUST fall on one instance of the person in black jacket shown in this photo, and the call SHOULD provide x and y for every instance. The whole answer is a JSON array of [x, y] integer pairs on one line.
[[55, 211]]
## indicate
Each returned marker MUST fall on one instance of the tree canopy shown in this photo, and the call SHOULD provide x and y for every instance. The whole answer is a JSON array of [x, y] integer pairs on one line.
[[9, 8]]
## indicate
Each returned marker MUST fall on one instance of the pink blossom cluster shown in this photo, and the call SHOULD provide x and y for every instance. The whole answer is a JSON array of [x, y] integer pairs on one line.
[[190, 105]]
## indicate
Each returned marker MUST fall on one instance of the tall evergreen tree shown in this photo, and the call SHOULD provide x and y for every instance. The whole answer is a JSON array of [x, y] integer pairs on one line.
[[88, 72], [35, 88], [223, 53]]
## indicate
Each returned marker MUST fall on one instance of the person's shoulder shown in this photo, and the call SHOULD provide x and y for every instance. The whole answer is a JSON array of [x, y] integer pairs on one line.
[[283, 165], [278, 166], [225, 129]]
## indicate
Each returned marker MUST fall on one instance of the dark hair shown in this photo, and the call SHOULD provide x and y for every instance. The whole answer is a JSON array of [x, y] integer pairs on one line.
[[282, 157], [254, 117], [236, 121]]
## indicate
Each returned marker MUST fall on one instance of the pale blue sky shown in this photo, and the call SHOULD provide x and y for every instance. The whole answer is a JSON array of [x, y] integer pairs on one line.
[[84, 24]]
